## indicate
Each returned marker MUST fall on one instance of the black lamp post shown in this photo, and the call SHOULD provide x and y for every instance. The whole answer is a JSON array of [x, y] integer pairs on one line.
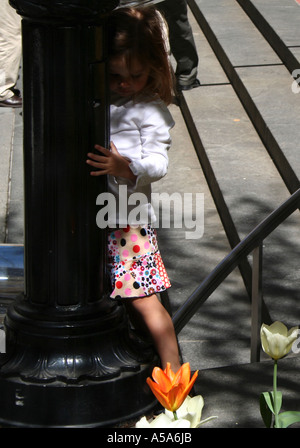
[[70, 359]]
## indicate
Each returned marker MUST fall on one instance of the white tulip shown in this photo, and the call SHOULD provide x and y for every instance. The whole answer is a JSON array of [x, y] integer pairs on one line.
[[189, 416], [276, 340], [163, 421]]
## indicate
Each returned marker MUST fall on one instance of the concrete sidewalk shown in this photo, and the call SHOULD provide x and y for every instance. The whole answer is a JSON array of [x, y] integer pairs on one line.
[[217, 339]]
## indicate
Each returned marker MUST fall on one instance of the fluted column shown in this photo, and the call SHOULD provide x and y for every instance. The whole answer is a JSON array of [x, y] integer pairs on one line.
[[70, 359]]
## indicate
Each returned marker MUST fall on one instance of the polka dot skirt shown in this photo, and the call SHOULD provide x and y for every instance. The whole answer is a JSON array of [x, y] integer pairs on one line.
[[135, 264]]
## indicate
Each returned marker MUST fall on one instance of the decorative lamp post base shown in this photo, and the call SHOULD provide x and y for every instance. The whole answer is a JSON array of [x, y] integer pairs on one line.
[[86, 404], [78, 371]]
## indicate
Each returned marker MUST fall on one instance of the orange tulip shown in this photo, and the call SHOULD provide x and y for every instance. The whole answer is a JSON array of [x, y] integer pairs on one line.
[[171, 389]]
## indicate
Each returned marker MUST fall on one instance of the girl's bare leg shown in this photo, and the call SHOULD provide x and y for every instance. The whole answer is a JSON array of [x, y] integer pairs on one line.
[[150, 315]]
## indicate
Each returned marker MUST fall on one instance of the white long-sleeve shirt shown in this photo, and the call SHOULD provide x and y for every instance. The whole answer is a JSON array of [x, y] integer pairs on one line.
[[141, 133]]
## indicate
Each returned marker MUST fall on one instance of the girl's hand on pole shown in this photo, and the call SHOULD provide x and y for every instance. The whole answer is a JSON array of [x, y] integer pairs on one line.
[[110, 162]]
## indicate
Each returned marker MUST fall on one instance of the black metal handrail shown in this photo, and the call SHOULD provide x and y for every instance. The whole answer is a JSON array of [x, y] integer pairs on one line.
[[252, 242]]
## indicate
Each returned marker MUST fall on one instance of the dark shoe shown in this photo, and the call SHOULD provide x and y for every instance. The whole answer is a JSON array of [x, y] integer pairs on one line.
[[192, 85], [14, 101], [16, 91]]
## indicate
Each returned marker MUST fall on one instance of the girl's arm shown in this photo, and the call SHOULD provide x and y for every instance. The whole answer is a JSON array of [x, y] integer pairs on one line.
[[110, 162], [155, 142], [147, 160]]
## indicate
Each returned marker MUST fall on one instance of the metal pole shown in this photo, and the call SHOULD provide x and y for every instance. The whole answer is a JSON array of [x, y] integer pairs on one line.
[[256, 305], [71, 360]]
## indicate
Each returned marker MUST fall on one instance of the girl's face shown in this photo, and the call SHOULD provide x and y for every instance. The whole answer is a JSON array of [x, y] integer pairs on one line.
[[127, 81]]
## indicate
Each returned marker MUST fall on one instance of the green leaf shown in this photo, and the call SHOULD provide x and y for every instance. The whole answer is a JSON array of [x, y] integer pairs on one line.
[[288, 418], [268, 397], [266, 412], [267, 406], [278, 400]]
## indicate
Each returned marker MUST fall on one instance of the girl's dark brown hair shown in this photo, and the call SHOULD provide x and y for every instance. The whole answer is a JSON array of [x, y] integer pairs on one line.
[[138, 33]]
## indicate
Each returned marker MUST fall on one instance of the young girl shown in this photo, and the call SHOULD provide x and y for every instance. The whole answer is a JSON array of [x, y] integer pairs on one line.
[[141, 88]]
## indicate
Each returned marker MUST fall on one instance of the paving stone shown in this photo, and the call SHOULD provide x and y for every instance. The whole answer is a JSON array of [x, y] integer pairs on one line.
[[237, 34], [239, 159], [232, 393], [283, 18], [7, 121], [15, 218], [270, 88]]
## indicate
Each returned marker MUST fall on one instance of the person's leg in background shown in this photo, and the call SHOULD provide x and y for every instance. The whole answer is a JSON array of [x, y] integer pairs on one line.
[[182, 43], [10, 55]]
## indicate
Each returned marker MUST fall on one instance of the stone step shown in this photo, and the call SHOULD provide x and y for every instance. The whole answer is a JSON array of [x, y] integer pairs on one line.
[[260, 79], [279, 23], [232, 393], [233, 145], [242, 176]]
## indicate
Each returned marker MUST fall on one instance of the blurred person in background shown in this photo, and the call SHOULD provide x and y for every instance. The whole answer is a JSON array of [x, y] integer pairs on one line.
[[182, 43], [10, 55]]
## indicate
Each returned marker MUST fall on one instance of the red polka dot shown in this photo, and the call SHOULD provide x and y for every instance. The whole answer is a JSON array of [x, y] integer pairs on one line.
[[119, 285], [136, 248], [126, 229]]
